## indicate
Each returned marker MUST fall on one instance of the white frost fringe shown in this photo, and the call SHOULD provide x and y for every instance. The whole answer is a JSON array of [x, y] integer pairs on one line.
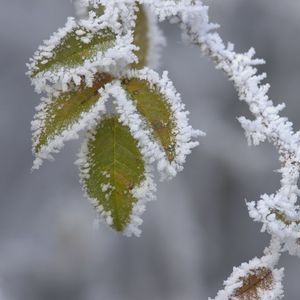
[[143, 193]]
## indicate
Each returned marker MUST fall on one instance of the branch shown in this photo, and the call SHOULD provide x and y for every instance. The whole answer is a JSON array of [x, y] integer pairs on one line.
[[278, 212]]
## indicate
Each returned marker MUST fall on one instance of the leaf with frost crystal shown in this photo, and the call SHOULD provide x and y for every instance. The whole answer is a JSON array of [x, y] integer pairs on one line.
[[254, 284], [73, 49], [66, 110], [113, 167], [152, 105], [258, 279], [141, 38]]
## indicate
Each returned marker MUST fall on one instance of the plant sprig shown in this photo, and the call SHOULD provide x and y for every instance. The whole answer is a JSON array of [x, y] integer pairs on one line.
[[107, 54]]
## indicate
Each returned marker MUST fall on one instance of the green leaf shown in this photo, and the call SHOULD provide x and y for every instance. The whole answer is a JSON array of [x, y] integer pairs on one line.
[[65, 110], [115, 168], [141, 39], [152, 105], [73, 51]]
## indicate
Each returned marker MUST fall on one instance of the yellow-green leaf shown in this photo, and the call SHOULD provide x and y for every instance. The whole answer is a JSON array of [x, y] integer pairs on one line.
[[66, 110], [152, 105], [114, 167], [141, 38], [77, 46]]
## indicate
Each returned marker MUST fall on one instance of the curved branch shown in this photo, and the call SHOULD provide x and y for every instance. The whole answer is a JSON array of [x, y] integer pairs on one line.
[[267, 124]]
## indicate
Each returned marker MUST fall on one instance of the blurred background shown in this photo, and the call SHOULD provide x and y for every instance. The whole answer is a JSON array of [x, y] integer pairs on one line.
[[199, 228]]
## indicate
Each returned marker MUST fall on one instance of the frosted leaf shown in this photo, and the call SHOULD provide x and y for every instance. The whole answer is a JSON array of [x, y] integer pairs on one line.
[[255, 284], [60, 118], [115, 176], [160, 106], [70, 47], [257, 279], [152, 105]]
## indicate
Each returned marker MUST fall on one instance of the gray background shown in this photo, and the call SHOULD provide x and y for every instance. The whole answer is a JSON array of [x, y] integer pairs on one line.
[[199, 227]]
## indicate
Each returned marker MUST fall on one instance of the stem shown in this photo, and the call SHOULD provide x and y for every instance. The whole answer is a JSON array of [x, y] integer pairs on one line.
[[267, 124]]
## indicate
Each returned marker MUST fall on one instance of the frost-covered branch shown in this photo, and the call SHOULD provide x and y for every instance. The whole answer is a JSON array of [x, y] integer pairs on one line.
[[279, 212]]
